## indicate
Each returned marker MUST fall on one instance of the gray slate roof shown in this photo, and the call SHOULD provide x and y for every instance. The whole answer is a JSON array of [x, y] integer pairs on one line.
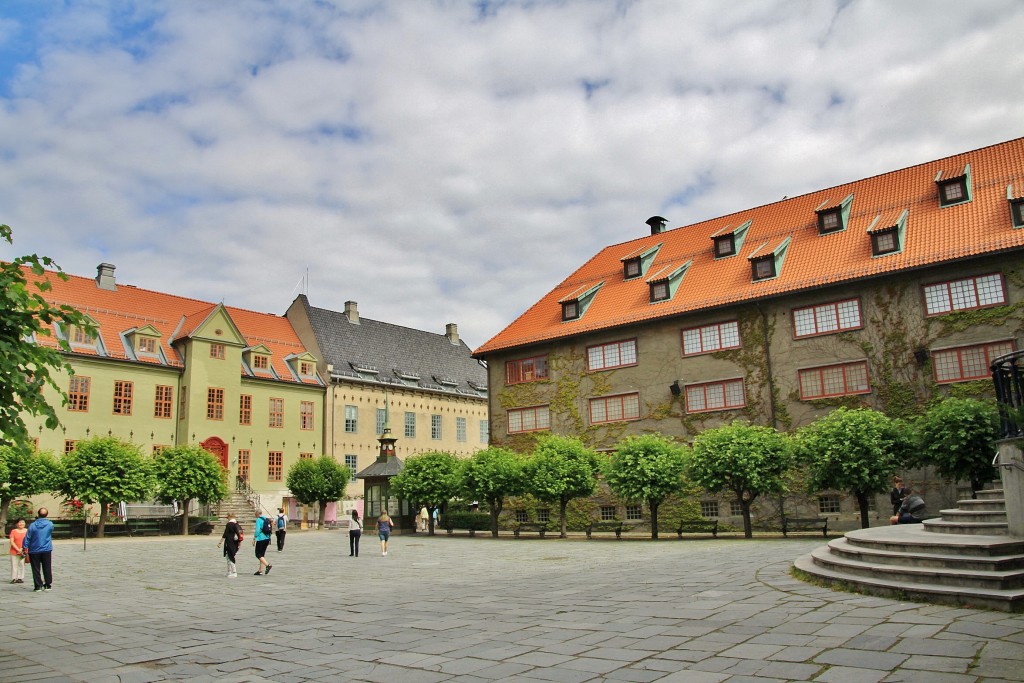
[[395, 350]]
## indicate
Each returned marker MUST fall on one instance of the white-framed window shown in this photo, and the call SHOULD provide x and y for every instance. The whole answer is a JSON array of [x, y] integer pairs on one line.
[[351, 419], [634, 512], [352, 463], [965, 363], [835, 316], [615, 408], [530, 419], [612, 355], [410, 425], [435, 427], [829, 504], [710, 338], [460, 429], [710, 396], [485, 431], [382, 417], [964, 295], [834, 380], [709, 508]]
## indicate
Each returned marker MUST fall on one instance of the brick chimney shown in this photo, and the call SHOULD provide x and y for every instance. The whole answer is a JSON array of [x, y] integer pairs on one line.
[[105, 277], [352, 312], [451, 330]]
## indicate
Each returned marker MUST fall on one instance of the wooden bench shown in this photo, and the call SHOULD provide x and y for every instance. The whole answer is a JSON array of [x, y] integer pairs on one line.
[[539, 527], [617, 527], [698, 526], [62, 528], [805, 524], [450, 527], [141, 527]]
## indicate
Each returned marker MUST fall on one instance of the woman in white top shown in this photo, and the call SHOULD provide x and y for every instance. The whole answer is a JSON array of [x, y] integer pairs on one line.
[[355, 530]]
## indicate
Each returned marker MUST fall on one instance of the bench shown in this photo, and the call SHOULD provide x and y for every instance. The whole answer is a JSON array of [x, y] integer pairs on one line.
[[62, 528], [698, 526], [617, 527], [539, 527], [141, 527], [804, 524], [473, 525]]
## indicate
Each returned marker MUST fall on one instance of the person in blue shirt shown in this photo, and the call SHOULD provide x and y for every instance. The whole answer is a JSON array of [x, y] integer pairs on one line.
[[39, 543], [261, 540]]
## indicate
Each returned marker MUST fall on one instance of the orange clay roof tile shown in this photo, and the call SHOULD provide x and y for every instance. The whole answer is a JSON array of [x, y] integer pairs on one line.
[[933, 235]]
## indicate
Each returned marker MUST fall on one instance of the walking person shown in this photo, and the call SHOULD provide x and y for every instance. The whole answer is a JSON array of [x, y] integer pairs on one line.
[[17, 538], [261, 541], [39, 543], [231, 538], [355, 531], [424, 518], [282, 528], [384, 526]]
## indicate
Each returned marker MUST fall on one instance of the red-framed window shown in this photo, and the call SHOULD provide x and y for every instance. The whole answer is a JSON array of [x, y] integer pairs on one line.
[[78, 394], [245, 409], [123, 392], [70, 445], [163, 401], [843, 379], [967, 362], [617, 354], [275, 465], [526, 370], [243, 464], [708, 396], [830, 318], [159, 448], [217, 351], [276, 412], [306, 415], [260, 362], [530, 419], [964, 295], [214, 404], [305, 456], [615, 408], [710, 338]]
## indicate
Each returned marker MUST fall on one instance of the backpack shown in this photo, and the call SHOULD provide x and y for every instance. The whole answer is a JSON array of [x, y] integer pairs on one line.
[[280, 521], [267, 529]]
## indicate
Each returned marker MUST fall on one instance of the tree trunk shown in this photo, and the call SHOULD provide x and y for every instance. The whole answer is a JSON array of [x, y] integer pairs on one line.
[[748, 528], [5, 505], [184, 521], [565, 503], [653, 504], [103, 521], [495, 511], [862, 502], [322, 514]]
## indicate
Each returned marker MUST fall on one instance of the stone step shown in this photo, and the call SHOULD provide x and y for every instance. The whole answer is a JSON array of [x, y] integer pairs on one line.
[[958, 515], [982, 504], [943, 526], [988, 494], [913, 538], [929, 558]]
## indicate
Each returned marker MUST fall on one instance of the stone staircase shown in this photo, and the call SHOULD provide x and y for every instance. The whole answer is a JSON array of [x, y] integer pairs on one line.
[[236, 504], [964, 557]]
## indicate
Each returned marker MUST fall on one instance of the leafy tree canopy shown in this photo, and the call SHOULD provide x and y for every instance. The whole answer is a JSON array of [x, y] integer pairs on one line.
[[318, 482], [648, 467], [957, 436], [189, 471], [25, 473], [107, 470], [490, 475], [561, 469], [431, 478], [26, 367]]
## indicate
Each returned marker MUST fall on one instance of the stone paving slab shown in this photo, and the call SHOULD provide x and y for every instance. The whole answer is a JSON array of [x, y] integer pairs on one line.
[[453, 609]]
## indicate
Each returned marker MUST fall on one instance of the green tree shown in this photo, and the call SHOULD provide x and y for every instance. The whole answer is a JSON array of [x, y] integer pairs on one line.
[[562, 469], [647, 467], [189, 471], [490, 475], [429, 479], [318, 481], [27, 367], [746, 459], [106, 470], [957, 436], [25, 473], [854, 450]]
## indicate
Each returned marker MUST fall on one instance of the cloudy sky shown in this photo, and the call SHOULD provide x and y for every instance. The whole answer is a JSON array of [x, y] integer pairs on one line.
[[450, 161]]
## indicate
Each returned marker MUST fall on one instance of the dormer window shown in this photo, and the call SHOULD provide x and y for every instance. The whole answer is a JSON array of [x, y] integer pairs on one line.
[[570, 310], [954, 188], [636, 263], [631, 268], [764, 265], [887, 233], [575, 304], [659, 290], [79, 335], [830, 221], [147, 345], [833, 217], [725, 246], [885, 242], [763, 268], [729, 240], [1017, 213], [306, 369], [665, 281], [260, 362]]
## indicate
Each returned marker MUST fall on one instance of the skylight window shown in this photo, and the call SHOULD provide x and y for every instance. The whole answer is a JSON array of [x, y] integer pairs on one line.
[[954, 188]]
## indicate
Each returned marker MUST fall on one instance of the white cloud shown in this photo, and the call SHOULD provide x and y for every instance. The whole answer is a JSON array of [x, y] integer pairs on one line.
[[438, 166]]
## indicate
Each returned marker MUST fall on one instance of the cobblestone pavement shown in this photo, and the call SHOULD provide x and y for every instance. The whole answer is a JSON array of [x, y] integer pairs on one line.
[[476, 609]]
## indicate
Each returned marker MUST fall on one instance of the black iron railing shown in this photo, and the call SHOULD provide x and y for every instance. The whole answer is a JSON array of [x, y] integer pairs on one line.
[[242, 486], [1008, 377]]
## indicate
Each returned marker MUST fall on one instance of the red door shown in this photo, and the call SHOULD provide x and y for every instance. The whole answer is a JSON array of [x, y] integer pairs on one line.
[[219, 448]]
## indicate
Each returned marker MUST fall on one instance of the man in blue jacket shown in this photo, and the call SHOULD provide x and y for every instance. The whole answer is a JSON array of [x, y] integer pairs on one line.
[[39, 543]]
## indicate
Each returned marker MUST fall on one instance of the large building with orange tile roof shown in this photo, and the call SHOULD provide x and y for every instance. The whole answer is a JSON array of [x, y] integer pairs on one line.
[[883, 292], [165, 370]]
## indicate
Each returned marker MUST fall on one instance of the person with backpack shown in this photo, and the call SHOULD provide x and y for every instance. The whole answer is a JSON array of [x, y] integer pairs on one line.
[[282, 528], [261, 540]]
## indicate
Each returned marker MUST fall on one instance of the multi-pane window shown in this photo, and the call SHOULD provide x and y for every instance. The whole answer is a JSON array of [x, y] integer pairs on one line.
[[243, 464], [711, 338], [214, 404], [709, 508], [305, 456], [885, 242], [763, 268], [410, 425], [275, 460], [834, 380], [526, 370], [735, 509], [260, 362], [613, 355], [159, 448], [962, 295], [351, 419], [715, 396], [306, 369], [607, 513], [78, 394], [725, 246], [634, 512], [147, 345], [217, 351], [570, 310], [351, 463], [484, 431], [826, 318], [953, 191], [528, 419], [245, 409], [967, 362], [435, 427], [659, 290], [123, 397], [615, 408], [276, 412], [382, 417], [80, 336], [460, 429], [828, 504], [1017, 213], [69, 445], [521, 516], [830, 221], [306, 415], [543, 515], [163, 401]]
